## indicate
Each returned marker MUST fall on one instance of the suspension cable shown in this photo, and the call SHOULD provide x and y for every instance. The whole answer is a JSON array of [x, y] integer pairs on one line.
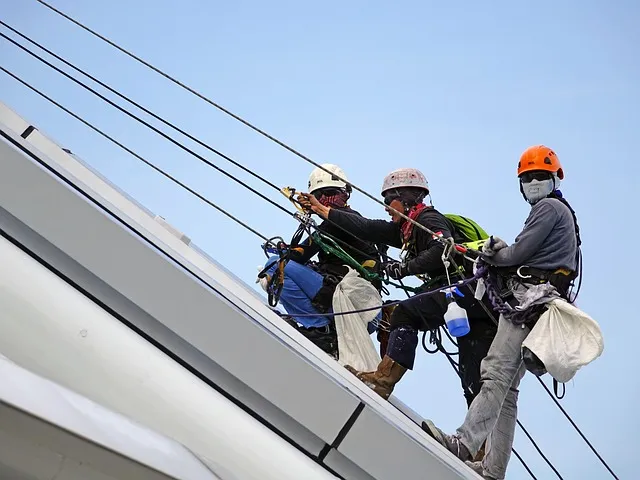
[[577, 428], [233, 115], [164, 121], [148, 125], [555, 400], [263, 133], [526, 467], [134, 103], [154, 167], [456, 368], [533, 442], [139, 157], [183, 185]]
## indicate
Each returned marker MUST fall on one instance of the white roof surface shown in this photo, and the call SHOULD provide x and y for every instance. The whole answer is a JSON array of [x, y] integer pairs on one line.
[[161, 285]]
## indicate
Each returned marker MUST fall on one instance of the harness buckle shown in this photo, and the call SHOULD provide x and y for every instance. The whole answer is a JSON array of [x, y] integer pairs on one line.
[[521, 275]]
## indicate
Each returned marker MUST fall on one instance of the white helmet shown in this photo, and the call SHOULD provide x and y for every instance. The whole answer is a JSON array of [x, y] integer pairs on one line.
[[322, 179], [405, 177]]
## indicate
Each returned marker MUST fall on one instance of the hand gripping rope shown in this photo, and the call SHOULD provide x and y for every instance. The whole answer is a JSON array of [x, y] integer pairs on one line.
[[329, 244]]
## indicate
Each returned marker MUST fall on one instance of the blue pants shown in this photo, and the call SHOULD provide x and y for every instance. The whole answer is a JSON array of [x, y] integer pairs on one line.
[[301, 284]]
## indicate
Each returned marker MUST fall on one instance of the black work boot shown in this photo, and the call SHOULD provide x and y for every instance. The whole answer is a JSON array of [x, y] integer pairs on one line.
[[324, 337]]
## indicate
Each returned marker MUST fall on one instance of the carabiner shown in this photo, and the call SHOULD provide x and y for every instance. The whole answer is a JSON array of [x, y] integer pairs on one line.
[[524, 277]]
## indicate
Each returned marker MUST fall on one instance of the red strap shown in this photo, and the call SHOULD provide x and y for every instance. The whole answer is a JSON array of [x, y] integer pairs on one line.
[[407, 227]]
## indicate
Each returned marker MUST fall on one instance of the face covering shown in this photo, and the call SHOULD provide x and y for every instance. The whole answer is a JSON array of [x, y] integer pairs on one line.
[[407, 227], [338, 200], [536, 190]]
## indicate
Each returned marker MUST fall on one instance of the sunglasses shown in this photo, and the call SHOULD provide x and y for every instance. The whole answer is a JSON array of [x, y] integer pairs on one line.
[[538, 175], [390, 198], [326, 192]]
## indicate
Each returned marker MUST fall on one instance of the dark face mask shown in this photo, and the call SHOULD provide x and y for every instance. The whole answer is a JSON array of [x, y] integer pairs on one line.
[[332, 197]]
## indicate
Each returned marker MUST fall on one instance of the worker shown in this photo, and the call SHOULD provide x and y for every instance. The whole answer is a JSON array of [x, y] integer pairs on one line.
[[545, 253], [404, 191], [309, 286]]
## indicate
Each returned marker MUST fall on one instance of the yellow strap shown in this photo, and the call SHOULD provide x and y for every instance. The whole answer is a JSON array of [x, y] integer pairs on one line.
[[563, 271], [289, 192], [475, 245]]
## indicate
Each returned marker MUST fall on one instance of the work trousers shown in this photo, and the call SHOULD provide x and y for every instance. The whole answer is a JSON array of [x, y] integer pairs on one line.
[[421, 313], [493, 413]]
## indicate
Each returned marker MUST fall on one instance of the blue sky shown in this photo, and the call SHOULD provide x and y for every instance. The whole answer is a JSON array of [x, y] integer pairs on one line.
[[457, 90]]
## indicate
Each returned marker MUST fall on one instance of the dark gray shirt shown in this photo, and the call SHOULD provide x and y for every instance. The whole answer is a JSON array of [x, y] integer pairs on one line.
[[548, 240]]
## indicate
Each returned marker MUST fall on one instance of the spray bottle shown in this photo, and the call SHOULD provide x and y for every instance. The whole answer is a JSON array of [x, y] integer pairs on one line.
[[456, 316]]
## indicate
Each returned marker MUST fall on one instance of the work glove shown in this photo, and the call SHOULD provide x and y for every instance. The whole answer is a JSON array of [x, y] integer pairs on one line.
[[264, 281], [492, 245], [396, 270]]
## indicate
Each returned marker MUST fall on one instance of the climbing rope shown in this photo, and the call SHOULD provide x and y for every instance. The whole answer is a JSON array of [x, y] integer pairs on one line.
[[165, 122], [201, 197], [287, 191], [134, 154], [231, 114], [401, 214], [458, 284], [277, 285]]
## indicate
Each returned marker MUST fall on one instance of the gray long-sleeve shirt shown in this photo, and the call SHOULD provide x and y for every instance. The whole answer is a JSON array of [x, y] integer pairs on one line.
[[547, 241]]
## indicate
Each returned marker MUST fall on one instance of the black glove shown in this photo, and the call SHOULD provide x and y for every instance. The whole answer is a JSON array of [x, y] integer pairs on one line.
[[396, 270]]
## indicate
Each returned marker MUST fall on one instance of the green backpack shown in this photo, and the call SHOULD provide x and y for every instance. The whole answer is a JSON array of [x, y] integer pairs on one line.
[[474, 234]]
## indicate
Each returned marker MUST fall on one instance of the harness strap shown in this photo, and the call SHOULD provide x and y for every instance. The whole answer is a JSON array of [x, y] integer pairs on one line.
[[534, 275], [560, 278], [555, 389]]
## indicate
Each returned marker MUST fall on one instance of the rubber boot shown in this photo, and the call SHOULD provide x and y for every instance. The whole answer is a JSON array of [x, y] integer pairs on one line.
[[384, 379]]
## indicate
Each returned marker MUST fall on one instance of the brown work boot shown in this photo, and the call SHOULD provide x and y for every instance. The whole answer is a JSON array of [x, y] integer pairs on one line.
[[480, 455], [383, 379]]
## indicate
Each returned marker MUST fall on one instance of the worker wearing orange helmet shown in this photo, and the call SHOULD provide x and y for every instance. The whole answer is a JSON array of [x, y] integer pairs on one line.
[[538, 267]]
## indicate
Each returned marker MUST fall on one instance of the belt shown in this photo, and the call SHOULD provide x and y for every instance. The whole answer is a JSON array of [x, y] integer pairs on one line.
[[325, 329], [533, 275]]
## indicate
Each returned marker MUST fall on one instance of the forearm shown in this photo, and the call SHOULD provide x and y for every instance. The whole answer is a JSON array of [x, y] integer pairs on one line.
[[428, 262], [376, 231], [539, 224], [322, 211]]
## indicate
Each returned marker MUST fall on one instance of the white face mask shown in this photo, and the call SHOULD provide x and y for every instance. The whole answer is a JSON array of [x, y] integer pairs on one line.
[[536, 190]]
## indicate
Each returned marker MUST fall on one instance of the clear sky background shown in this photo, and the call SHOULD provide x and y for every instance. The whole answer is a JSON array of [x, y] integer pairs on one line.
[[457, 90]]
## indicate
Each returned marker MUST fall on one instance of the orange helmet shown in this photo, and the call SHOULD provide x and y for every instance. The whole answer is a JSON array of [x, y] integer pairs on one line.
[[540, 157]]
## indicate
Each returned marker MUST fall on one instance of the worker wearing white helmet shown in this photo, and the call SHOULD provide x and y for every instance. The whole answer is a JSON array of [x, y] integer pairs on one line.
[[329, 180], [404, 191], [309, 287]]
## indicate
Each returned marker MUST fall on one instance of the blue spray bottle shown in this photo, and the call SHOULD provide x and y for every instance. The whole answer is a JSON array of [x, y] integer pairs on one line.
[[456, 316]]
